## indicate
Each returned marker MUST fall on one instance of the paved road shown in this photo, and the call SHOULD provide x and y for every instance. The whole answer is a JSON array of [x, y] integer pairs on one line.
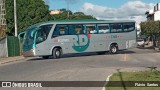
[[78, 67]]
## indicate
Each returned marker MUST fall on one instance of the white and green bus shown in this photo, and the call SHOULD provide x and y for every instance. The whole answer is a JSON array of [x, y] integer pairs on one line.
[[55, 38]]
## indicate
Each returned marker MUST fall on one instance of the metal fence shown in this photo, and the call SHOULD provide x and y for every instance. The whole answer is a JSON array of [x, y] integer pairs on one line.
[[9, 47]]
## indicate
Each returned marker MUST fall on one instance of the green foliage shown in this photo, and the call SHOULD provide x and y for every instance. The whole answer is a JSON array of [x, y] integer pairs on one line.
[[28, 12], [150, 27], [72, 16], [132, 77]]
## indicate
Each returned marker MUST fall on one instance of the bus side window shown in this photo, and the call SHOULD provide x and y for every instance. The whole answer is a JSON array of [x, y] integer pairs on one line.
[[91, 29], [60, 30], [41, 36], [116, 28], [75, 29], [56, 32], [63, 29], [46, 28], [43, 32], [103, 28], [128, 27], [79, 29]]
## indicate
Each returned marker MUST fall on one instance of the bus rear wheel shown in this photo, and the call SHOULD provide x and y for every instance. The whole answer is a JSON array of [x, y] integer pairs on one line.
[[113, 48], [56, 53]]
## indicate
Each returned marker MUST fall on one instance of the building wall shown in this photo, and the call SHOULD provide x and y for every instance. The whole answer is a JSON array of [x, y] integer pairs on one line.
[[3, 48], [157, 16], [55, 12], [154, 14]]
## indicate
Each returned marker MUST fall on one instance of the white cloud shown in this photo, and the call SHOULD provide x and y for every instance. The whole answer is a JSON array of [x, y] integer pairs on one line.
[[134, 10]]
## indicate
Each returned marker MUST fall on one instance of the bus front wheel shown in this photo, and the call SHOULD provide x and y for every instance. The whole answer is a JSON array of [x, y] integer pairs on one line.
[[56, 53], [113, 48]]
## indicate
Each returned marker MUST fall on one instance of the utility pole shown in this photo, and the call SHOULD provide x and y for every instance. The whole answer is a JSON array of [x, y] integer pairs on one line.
[[2, 18], [15, 18], [67, 9]]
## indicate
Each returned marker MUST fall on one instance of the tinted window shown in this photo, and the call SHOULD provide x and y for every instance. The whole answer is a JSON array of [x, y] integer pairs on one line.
[[63, 29], [75, 29], [91, 29], [46, 28], [60, 30], [103, 28], [43, 32], [128, 27], [115, 28], [41, 36]]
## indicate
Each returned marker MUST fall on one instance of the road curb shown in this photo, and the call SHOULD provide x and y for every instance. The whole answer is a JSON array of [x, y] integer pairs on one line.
[[10, 59], [107, 80]]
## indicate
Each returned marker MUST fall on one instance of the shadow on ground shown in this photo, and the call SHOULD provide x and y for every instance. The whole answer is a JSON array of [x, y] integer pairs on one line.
[[138, 50], [83, 55]]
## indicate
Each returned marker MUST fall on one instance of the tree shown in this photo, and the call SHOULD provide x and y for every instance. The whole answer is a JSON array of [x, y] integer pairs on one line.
[[151, 28], [29, 12], [79, 14], [72, 16]]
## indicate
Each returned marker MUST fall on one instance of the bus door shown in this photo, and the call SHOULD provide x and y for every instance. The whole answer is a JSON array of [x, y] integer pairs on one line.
[[40, 39]]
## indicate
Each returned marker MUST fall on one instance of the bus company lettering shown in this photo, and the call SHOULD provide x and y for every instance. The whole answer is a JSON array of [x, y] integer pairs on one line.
[[116, 36], [81, 43], [61, 40]]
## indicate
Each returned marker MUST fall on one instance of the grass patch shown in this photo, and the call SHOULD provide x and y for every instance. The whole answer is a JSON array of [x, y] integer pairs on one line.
[[121, 77]]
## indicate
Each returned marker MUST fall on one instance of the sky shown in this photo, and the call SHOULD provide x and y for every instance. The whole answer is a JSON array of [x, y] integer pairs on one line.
[[107, 9]]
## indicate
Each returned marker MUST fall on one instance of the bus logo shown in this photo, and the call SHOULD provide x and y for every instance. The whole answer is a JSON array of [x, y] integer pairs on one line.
[[81, 43]]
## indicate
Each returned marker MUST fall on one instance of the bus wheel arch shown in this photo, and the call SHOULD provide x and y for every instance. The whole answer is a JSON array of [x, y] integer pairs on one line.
[[57, 52], [113, 48]]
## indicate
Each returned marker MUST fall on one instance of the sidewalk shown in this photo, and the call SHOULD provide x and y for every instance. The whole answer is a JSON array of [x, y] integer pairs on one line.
[[10, 59]]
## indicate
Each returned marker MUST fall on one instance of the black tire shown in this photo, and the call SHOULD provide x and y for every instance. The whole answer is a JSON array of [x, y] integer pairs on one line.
[[101, 53], [56, 53], [113, 48], [45, 57]]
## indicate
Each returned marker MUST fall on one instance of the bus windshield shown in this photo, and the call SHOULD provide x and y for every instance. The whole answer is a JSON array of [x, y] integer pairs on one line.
[[29, 39], [39, 33]]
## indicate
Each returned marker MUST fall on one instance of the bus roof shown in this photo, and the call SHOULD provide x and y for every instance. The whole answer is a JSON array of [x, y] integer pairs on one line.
[[80, 21]]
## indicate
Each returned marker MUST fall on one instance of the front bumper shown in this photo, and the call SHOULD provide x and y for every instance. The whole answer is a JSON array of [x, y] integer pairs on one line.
[[29, 53]]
